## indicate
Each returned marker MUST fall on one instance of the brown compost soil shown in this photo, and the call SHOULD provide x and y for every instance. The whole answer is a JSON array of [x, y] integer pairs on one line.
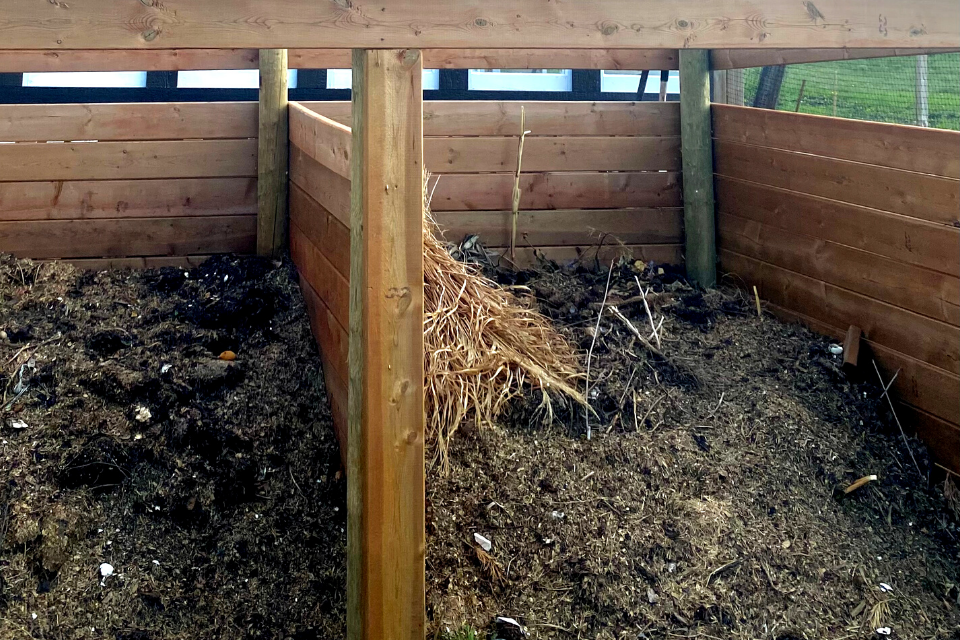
[[706, 503]]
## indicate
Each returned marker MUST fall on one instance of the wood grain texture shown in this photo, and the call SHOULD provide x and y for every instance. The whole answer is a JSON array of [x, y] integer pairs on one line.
[[593, 255], [575, 153], [922, 338], [920, 149], [184, 24], [33, 60], [699, 217], [148, 262], [941, 437], [912, 194], [920, 290], [128, 160], [543, 118], [325, 331], [320, 226], [918, 384], [492, 191], [273, 154], [325, 140], [571, 227], [329, 189], [907, 240], [385, 484], [127, 199], [123, 237], [133, 121], [314, 267], [747, 58]]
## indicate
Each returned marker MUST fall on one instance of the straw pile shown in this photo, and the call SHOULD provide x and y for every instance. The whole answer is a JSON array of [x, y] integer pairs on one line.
[[482, 347]]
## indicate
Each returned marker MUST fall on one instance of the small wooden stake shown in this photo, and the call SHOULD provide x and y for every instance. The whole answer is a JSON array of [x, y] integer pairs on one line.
[[697, 148], [273, 154], [851, 349], [516, 186], [803, 85]]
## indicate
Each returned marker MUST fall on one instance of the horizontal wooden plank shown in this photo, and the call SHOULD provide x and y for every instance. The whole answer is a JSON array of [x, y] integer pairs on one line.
[[493, 191], [332, 191], [923, 291], [128, 160], [907, 240], [925, 339], [133, 121], [594, 255], [123, 237], [336, 388], [942, 438], [148, 262], [332, 288], [579, 153], [898, 146], [565, 227], [747, 58], [326, 141], [928, 388], [127, 198], [279, 24], [912, 194], [332, 338], [40, 61], [543, 118], [319, 226]]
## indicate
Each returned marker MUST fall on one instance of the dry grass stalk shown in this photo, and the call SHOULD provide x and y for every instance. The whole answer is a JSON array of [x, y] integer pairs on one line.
[[516, 186], [490, 566], [482, 347]]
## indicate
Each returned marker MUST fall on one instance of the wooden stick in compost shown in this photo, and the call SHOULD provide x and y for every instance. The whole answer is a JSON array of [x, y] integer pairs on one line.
[[636, 332], [596, 332], [643, 294], [516, 187], [886, 395], [756, 296]]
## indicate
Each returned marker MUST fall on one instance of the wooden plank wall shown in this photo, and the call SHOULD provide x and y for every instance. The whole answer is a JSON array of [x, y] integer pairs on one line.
[[591, 171], [320, 243], [841, 222], [113, 185]]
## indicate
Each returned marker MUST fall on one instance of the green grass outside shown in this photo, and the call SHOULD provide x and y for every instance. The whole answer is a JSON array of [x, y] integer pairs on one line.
[[880, 89]]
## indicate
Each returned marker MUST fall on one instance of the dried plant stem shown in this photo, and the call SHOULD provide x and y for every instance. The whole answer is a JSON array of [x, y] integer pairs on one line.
[[643, 294], [596, 332], [636, 332], [886, 394], [516, 187]]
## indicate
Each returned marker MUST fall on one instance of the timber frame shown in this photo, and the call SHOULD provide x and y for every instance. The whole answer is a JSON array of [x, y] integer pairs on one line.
[[386, 538]]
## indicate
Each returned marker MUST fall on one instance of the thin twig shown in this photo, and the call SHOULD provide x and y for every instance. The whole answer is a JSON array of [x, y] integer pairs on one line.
[[516, 186], [636, 332], [649, 411], [886, 395], [643, 294], [596, 332], [299, 490]]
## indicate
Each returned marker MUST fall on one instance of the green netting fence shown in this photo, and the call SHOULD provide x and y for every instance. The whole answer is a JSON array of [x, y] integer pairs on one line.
[[917, 90]]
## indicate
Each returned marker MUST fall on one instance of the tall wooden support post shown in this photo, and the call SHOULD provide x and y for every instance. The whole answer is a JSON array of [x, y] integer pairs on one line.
[[273, 156], [697, 149], [385, 476]]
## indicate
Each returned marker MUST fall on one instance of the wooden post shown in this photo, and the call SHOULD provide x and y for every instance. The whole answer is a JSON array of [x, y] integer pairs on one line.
[[697, 149], [273, 154], [385, 475]]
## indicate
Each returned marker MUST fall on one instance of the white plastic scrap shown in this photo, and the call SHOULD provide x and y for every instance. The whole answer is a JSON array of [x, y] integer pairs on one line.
[[19, 425], [143, 414], [558, 515], [836, 349], [884, 631], [165, 368], [885, 587], [484, 543], [106, 569]]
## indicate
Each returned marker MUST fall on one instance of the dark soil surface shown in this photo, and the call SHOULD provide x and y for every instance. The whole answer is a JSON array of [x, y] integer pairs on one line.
[[209, 486], [705, 504]]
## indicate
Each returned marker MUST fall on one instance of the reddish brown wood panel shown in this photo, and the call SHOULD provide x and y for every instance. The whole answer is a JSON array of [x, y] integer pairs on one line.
[[128, 160], [554, 118], [941, 437], [746, 58], [127, 199], [594, 255], [319, 226], [923, 291], [326, 141], [927, 340], [907, 240], [575, 153], [122, 237], [126, 122], [566, 227], [585, 190], [330, 190], [912, 194], [332, 287], [32, 60], [925, 150]]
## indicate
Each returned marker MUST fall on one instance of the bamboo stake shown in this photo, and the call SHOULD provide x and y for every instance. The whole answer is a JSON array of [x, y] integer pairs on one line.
[[516, 187]]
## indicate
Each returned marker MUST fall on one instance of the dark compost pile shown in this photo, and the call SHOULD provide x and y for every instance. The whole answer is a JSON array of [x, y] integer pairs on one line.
[[706, 503]]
